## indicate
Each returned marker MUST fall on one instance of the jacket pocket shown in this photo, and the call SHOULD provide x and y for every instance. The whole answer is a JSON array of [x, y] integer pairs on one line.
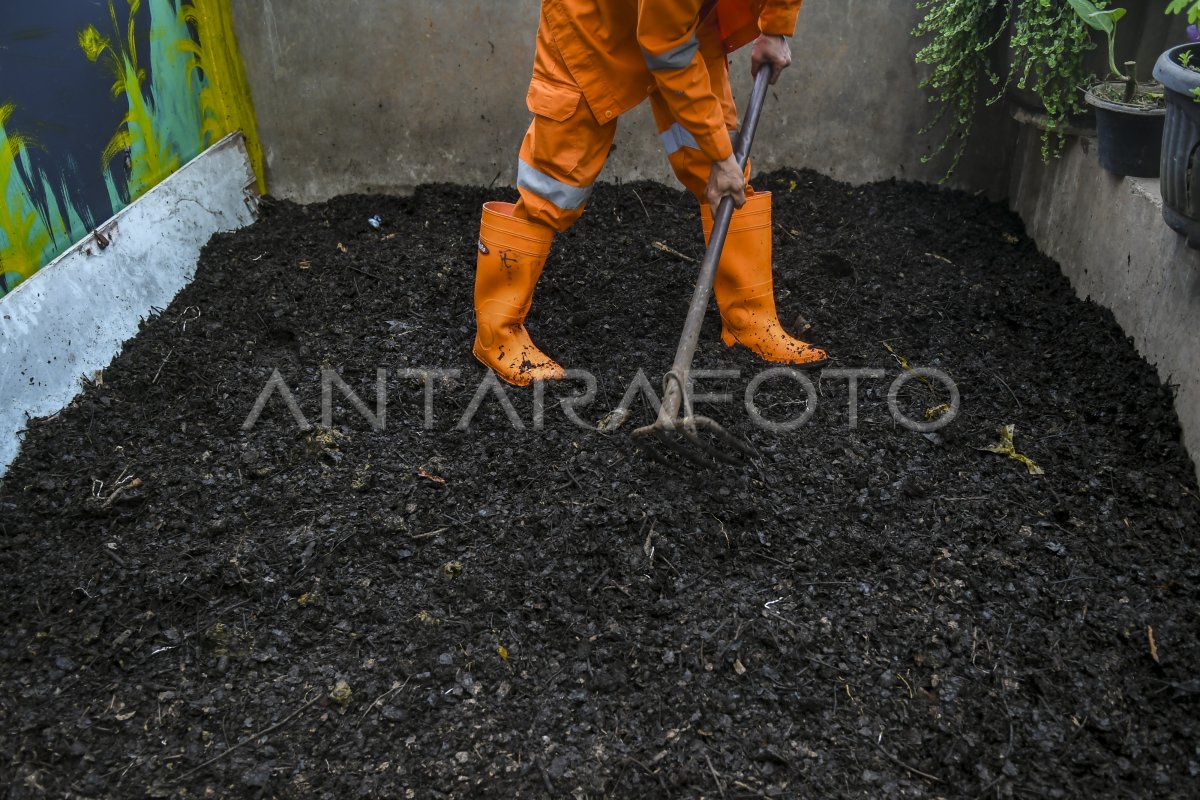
[[552, 100]]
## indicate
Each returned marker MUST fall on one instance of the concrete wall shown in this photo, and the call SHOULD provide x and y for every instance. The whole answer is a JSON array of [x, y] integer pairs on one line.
[[380, 96], [1108, 235]]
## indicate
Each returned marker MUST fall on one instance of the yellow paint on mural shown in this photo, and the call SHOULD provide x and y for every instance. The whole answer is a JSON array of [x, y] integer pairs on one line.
[[24, 238], [227, 93]]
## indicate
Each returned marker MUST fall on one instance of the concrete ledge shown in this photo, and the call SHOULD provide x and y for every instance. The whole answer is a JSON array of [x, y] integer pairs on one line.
[[72, 317], [1108, 234]]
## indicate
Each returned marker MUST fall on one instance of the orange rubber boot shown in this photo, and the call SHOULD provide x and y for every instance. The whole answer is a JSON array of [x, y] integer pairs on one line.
[[744, 289], [512, 252]]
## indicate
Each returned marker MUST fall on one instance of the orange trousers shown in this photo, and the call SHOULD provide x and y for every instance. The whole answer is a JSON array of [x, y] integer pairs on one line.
[[566, 146]]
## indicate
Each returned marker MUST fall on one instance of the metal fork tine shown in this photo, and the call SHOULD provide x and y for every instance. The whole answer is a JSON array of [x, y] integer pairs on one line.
[[718, 430], [713, 453], [736, 452], [699, 453], [652, 445], [683, 439]]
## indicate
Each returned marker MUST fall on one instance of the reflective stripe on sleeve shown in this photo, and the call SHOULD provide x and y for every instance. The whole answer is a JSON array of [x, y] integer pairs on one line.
[[676, 138], [563, 195], [675, 58]]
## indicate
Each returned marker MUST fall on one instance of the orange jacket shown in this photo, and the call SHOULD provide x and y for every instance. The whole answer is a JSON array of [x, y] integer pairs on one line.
[[619, 51]]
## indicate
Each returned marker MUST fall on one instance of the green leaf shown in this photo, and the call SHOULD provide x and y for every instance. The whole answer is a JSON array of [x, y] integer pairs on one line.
[[1192, 7], [1094, 16]]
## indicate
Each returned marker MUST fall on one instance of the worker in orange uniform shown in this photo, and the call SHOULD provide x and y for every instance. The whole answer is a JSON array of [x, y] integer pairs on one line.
[[595, 60]]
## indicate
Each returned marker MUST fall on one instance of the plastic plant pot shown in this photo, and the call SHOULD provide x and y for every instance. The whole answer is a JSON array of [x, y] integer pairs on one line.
[[1181, 142], [1130, 135], [1145, 33]]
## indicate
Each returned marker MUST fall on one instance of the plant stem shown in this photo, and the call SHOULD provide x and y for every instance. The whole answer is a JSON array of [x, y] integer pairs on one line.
[[1112, 57], [1131, 81]]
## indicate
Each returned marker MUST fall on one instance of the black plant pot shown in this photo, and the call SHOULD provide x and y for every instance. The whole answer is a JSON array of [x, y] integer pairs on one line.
[[1145, 32], [1130, 137], [1181, 143]]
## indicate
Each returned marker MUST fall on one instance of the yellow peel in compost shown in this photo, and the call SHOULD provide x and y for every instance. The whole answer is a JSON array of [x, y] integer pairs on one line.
[[1005, 447]]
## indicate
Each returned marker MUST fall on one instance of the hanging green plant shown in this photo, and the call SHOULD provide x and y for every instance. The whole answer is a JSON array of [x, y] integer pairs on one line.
[[1048, 42], [962, 33], [1048, 47]]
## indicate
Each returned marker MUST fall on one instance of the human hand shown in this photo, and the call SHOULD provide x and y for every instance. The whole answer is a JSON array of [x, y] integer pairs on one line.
[[773, 51], [726, 180]]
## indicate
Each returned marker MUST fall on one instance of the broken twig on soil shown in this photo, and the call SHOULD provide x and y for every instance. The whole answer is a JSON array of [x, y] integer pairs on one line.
[[252, 737], [640, 203], [673, 252], [364, 272], [908, 767], [163, 364], [395, 688]]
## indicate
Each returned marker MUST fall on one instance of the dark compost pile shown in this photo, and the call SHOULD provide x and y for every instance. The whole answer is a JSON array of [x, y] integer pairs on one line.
[[193, 608]]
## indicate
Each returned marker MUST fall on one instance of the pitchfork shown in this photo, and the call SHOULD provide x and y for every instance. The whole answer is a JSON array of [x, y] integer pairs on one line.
[[682, 434]]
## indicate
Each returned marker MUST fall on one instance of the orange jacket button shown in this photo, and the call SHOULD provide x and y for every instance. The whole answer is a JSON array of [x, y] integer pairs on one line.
[[608, 115]]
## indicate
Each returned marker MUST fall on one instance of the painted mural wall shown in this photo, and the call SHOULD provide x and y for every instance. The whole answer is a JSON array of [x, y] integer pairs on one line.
[[99, 101]]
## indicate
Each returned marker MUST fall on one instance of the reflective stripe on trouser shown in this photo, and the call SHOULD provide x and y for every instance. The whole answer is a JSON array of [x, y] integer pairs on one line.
[[565, 146], [690, 165], [559, 163]]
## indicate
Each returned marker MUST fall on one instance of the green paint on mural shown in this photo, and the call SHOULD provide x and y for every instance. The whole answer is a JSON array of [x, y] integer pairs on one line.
[[161, 128], [22, 237], [33, 226], [178, 84]]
